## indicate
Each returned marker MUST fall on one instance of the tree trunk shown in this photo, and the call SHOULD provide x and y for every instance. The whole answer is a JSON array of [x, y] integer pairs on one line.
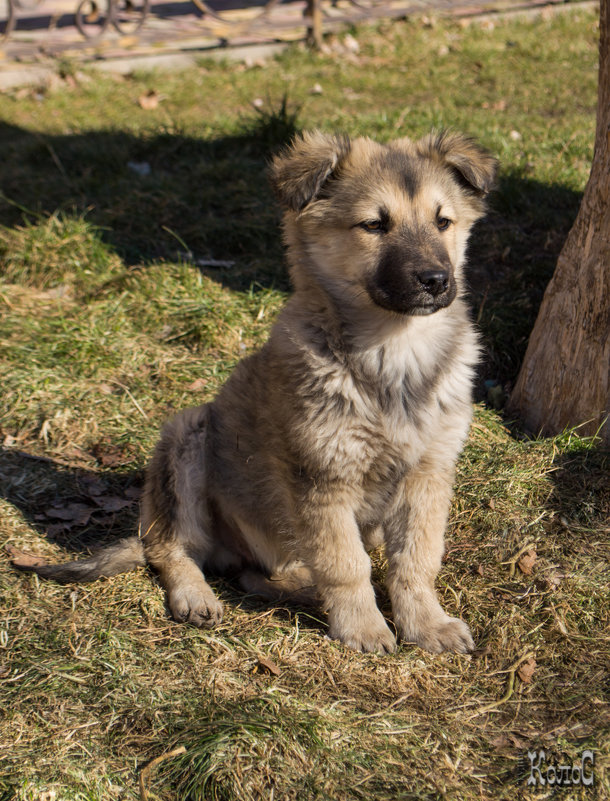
[[565, 377]]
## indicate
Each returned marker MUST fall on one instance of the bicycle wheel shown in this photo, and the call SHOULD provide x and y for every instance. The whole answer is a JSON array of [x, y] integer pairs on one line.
[[128, 16], [91, 19], [7, 18]]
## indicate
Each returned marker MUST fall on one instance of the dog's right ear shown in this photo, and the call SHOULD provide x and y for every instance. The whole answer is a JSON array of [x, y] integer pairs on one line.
[[299, 172], [474, 165]]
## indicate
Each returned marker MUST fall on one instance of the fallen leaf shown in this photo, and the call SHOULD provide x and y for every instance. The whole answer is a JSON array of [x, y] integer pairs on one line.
[[527, 561], [517, 742], [268, 666], [526, 671], [60, 291], [350, 43], [480, 570], [198, 384], [76, 454], [57, 528], [109, 455], [150, 100], [111, 503], [75, 513], [102, 520], [94, 485], [23, 558], [553, 580]]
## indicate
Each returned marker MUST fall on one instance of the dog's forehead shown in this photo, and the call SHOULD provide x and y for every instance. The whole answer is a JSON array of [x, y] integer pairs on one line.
[[397, 174], [398, 164]]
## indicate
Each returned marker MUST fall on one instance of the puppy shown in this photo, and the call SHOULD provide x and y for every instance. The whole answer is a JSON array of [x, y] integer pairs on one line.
[[343, 431]]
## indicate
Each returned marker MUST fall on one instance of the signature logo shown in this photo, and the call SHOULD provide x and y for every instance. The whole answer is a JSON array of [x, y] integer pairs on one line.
[[544, 774]]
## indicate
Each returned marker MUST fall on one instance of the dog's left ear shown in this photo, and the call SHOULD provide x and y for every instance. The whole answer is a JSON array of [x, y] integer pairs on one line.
[[299, 172], [474, 165]]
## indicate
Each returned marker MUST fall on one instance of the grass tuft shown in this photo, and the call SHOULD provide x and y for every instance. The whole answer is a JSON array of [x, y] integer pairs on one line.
[[61, 252], [272, 127]]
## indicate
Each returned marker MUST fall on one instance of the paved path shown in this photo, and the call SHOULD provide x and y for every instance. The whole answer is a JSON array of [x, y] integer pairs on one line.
[[175, 33]]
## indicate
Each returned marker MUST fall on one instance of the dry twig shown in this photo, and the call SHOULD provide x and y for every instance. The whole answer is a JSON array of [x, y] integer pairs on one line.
[[153, 764]]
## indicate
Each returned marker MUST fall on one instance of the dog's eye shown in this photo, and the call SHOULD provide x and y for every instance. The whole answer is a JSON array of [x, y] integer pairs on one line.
[[372, 225], [442, 223]]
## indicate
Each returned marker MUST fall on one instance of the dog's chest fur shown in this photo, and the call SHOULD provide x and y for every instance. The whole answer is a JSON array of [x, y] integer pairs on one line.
[[368, 415]]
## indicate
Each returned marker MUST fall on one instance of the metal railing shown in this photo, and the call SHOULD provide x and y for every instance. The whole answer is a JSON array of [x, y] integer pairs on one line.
[[94, 18]]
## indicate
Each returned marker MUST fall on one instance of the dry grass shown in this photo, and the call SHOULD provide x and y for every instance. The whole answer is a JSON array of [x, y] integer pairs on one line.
[[106, 325]]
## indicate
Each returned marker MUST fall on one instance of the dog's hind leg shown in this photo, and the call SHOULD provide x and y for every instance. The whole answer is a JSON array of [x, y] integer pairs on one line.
[[176, 525], [296, 585]]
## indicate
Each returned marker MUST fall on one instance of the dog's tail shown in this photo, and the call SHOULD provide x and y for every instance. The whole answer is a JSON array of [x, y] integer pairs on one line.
[[119, 557]]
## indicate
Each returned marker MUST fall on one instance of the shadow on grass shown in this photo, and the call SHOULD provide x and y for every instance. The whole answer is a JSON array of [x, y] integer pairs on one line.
[[158, 196], [164, 195], [581, 498], [76, 508], [513, 254], [81, 510]]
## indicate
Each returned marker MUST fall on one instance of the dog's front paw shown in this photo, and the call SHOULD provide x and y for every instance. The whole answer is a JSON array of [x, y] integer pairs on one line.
[[367, 632], [446, 634], [196, 605]]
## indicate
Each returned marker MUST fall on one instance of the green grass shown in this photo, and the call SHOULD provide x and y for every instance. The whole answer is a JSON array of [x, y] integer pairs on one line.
[[109, 322]]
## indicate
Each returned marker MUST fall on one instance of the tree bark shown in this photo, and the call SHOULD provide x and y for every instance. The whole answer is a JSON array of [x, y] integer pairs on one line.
[[565, 377]]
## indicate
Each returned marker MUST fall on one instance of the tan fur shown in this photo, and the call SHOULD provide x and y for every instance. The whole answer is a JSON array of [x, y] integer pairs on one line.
[[344, 430]]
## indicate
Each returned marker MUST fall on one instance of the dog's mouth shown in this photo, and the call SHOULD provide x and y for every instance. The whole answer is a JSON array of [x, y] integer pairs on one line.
[[416, 304]]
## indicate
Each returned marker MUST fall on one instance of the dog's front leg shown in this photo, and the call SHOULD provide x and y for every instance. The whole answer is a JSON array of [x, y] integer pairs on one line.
[[414, 537], [331, 546]]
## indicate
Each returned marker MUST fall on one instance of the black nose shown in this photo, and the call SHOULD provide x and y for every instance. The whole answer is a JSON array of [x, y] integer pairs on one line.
[[434, 281]]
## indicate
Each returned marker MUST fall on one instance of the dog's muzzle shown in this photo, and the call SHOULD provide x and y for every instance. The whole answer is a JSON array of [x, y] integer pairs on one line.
[[413, 292]]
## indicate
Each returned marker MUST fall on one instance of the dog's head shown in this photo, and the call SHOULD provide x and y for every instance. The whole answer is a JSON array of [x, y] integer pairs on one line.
[[386, 223]]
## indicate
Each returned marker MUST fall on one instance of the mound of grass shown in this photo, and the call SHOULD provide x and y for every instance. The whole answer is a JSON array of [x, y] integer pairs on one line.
[[140, 259]]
